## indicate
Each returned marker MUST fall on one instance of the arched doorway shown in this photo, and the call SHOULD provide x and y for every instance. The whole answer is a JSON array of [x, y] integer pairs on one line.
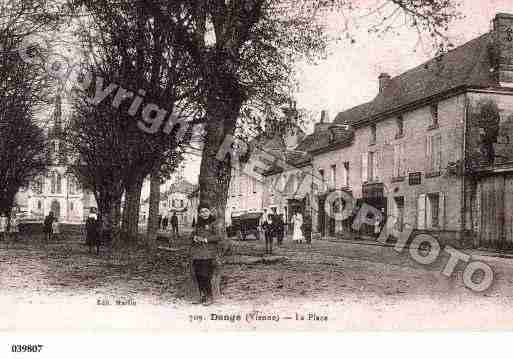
[[55, 207]]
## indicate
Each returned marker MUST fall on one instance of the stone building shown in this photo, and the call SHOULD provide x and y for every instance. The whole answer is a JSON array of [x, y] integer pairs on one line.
[[433, 150], [251, 194], [177, 199], [416, 150], [58, 190]]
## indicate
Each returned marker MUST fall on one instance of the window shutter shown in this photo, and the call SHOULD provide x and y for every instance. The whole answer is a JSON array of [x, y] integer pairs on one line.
[[441, 211], [429, 154], [429, 214], [364, 167], [438, 165], [375, 168], [396, 161], [403, 160], [421, 212]]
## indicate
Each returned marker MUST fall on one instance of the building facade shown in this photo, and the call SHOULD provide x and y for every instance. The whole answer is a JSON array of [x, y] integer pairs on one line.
[[433, 150], [250, 193], [57, 191]]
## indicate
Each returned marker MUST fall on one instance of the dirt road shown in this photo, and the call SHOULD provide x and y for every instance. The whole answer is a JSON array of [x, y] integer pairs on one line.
[[330, 285]]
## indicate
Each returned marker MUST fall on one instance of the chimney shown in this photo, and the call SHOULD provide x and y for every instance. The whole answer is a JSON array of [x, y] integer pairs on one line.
[[503, 42], [323, 124], [384, 80]]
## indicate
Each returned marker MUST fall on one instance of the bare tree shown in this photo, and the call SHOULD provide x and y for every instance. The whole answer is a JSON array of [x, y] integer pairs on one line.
[[22, 142], [135, 51]]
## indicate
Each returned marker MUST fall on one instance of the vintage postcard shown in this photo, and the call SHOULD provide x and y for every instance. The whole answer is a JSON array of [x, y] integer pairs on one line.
[[255, 165]]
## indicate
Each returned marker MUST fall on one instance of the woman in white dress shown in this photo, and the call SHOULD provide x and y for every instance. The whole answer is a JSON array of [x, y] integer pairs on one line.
[[297, 234]]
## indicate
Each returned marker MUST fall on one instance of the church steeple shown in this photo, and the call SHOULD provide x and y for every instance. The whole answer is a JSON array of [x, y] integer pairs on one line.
[[56, 124], [55, 134]]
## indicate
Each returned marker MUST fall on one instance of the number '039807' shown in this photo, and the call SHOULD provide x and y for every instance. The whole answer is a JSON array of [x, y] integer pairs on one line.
[[26, 348]]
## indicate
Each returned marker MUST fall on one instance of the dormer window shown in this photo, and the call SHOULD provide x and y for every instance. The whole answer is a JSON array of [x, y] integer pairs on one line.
[[434, 116], [372, 134]]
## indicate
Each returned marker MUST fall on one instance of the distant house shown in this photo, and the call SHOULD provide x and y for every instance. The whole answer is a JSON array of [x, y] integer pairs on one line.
[[176, 199], [249, 193]]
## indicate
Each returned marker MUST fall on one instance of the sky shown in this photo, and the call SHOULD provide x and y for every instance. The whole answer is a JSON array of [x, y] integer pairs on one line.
[[349, 75]]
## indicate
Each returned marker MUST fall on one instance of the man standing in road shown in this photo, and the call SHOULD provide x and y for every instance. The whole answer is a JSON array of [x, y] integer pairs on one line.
[[48, 226], [174, 224]]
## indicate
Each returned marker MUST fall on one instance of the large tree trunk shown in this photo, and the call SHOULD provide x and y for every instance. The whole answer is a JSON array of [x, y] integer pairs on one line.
[[104, 200], [153, 211], [130, 225], [214, 178]]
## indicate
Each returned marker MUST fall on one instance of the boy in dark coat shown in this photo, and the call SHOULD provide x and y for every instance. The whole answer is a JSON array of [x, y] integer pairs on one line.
[[204, 253]]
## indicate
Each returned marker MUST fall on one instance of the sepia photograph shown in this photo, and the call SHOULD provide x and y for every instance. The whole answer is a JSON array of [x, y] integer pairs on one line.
[[207, 166]]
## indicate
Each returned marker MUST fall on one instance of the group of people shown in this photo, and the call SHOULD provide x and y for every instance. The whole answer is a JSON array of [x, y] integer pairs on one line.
[[272, 226], [5, 229], [165, 221]]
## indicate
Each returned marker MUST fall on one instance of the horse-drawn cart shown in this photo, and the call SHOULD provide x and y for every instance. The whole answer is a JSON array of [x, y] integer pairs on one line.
[[245, 225]]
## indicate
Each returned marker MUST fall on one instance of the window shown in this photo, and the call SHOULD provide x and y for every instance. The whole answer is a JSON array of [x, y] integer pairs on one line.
[[399, 159], [434, 208], [72, 185], [373, 134], [434, 153], [37, 185], [173, 203], [430, 211], [59, 183], [334, 176], [53, 183], [39, 205], [400, 127], [71, 206], [370, 166], [434, 115], [181, 203], [346, 174], [253, 185]]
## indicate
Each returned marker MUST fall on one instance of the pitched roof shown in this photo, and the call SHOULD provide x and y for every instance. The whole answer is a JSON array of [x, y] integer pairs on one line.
[[466, 65], [325, 138], [293, 158]]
